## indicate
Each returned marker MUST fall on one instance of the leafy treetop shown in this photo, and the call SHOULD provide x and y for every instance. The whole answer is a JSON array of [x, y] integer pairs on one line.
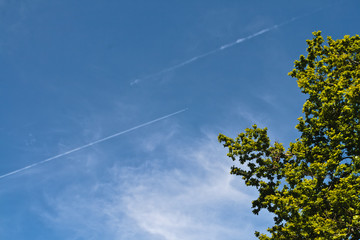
[[313, 187]]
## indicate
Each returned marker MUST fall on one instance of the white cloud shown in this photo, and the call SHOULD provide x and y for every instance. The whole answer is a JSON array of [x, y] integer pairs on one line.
[[194, 198]]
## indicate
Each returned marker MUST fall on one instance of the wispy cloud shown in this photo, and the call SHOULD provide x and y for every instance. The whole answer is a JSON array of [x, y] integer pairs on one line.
[[198, 199]]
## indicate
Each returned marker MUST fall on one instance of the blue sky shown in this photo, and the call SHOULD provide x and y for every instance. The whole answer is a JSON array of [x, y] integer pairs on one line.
[[66, 80]]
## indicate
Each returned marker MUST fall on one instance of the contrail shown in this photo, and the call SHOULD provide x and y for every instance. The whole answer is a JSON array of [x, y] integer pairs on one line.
[[92, 143], [223, 47]]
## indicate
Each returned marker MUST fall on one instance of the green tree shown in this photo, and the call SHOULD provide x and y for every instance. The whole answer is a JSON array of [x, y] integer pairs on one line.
[[313, 187]]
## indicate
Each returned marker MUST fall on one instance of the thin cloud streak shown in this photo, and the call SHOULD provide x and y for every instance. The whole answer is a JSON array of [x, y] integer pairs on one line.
[[223, 47], [92, 143]]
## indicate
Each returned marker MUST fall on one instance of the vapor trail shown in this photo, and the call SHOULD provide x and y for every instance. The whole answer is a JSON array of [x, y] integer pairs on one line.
[[92, 143], [223, 47]]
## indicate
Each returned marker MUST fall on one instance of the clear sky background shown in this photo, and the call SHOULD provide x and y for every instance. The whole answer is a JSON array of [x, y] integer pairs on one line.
[[74, 72]]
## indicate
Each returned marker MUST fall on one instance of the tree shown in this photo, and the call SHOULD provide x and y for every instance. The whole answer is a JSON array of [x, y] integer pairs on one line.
[[313, 187]]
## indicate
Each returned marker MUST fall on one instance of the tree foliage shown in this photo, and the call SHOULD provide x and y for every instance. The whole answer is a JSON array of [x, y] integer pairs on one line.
[[313, 187]]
